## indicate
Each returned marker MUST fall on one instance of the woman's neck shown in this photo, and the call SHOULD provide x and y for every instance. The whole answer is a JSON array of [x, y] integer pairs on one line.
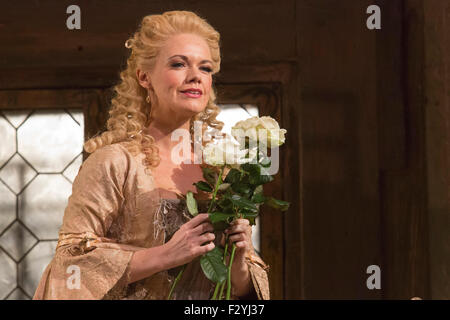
[[162, 133]]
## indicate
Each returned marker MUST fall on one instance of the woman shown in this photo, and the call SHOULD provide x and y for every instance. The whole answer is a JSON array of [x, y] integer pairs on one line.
[[125, 234]]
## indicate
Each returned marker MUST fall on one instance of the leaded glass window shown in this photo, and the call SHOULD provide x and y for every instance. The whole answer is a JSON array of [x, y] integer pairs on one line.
[[40, 154]]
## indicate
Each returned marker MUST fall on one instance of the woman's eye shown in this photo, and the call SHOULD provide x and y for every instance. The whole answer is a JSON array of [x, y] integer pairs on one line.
[[207, 69], [180, 64]]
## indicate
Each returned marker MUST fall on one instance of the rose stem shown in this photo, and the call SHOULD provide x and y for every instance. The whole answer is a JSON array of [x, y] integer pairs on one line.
[[216, 290], [222, 284], [176, 281], [229, 272], [216, 187]]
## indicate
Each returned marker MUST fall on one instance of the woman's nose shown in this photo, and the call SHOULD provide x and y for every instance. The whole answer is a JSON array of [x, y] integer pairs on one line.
[[193, 75]]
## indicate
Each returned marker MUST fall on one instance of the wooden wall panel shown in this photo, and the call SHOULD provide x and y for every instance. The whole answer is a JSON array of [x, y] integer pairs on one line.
[[402, 191], [341, 227], [35, 39], [437, 115]]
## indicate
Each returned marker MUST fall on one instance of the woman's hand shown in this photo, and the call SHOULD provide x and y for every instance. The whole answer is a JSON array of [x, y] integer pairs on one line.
[[193, 239], [240, 233]]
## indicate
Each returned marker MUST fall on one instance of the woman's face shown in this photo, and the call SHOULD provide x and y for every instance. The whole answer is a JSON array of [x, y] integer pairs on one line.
[[183, 63]]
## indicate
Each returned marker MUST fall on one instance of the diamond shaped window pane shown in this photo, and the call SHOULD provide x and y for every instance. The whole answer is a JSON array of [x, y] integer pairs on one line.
[[7, 207], [42, 204], [50, 140], [35, 149], [17, 173], [18, 294], [8, 275], [17, 240], [8, 136], [77, 114], [16, 117], [72, 170], [33, 265]]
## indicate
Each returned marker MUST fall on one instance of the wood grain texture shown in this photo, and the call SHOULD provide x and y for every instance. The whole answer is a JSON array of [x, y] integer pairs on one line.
[[34, 35], [340, 195], [437, 129]]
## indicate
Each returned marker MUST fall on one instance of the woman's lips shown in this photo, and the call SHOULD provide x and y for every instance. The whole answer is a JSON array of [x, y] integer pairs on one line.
[[192, 95]]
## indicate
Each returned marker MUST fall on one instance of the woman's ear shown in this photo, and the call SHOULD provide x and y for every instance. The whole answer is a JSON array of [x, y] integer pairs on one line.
[[143, 79]]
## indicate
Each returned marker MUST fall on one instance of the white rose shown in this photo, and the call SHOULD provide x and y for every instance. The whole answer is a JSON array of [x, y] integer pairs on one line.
[[275, 135], [268, 123], [223, 151], [264, 128], [247, 124]]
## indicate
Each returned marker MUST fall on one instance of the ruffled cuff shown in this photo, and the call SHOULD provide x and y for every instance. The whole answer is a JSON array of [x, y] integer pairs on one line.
[[258, 272], [119, 291], [103, 269]]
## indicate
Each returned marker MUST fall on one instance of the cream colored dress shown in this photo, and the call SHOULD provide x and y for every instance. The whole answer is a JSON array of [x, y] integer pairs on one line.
[[114, 211]]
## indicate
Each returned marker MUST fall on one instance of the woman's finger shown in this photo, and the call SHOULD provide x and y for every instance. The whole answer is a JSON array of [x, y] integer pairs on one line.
[[240, 222], [197, 220], [204, 227], [238, 237], [222, 240], [207, 237], [238, 228], [242, 245]]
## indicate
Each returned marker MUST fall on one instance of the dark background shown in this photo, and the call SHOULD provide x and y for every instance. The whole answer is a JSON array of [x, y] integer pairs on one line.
[[366, 163]]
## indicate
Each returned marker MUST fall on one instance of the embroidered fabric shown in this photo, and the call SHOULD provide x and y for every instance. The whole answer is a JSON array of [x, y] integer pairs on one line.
[[114, 211]]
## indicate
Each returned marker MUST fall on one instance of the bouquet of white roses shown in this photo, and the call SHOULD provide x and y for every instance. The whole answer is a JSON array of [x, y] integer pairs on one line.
[[240, 193]]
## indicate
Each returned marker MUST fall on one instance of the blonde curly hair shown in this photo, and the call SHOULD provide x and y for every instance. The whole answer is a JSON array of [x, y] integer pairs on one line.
[[130, 109]]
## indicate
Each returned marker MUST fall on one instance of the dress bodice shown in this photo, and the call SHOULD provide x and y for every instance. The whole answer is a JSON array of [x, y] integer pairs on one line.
[[193, 283]]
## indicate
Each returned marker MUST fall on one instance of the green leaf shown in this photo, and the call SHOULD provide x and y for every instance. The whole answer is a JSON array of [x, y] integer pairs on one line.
[[220, 220], [256, 173], [225, 204], [233, 176], [243, 204], [250, 216], [277, 204], [258, 198], [258, 195], [258, 189], [241, 187], [213, 266], [265, 162], [261, 179], [191, 203], [264, 177], [203, 186], [252, 168], [223, 187], [210, 175], [264, 171]]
